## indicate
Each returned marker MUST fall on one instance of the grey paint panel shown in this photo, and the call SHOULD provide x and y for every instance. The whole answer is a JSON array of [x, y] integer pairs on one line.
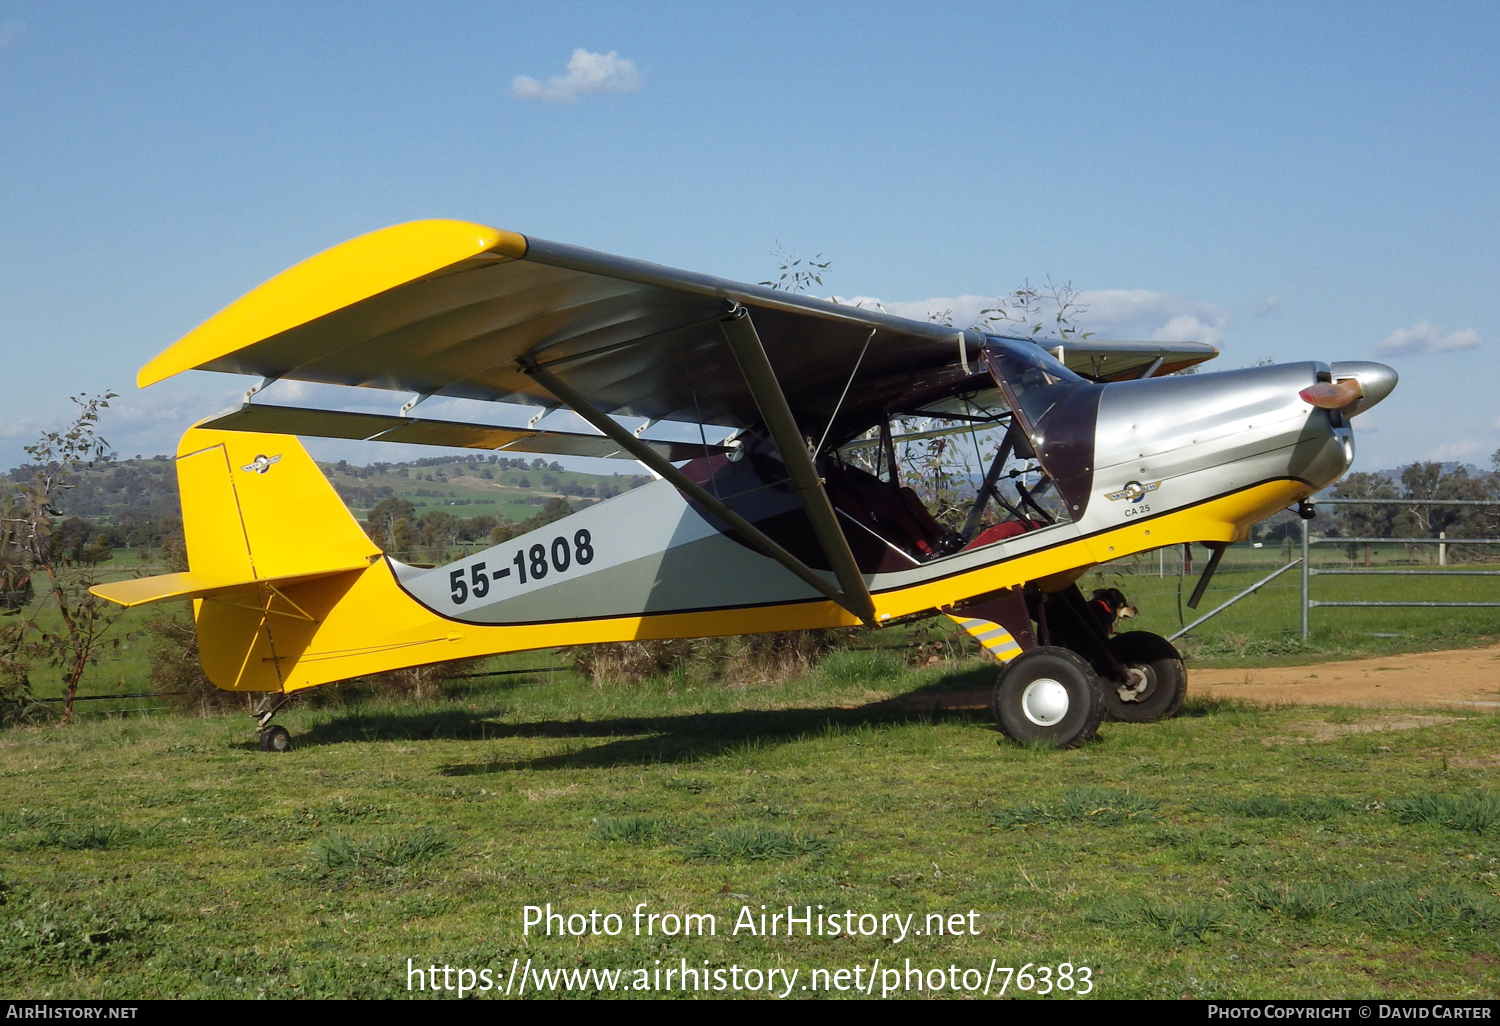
[[647, 551]]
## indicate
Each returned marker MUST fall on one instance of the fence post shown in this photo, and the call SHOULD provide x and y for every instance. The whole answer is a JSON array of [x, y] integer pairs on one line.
[[1306, 580], [1442, 550]]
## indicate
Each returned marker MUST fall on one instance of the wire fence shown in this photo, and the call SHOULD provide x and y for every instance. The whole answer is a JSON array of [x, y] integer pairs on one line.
[[1160, 583], [1264, 597]]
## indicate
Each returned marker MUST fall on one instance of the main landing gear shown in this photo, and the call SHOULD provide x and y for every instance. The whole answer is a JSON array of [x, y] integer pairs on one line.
[[1056, 692], [1157, 684], [273, 737], [1048, 695]]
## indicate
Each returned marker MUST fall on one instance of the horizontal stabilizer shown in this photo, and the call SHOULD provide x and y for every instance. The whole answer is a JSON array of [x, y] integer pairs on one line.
[[381, 427], [1121, 361], [145, 590]]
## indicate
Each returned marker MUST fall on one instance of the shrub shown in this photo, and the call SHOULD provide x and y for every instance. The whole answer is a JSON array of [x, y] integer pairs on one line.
[[749, 659], [176, 670]]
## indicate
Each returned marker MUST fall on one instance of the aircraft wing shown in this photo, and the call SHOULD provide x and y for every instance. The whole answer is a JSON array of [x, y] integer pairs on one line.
[[295, 420], [451, 308], [1121, 361]]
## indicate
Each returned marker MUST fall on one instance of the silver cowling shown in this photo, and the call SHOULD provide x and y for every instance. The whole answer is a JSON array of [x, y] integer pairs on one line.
[[1376, 381], [1195, 437]]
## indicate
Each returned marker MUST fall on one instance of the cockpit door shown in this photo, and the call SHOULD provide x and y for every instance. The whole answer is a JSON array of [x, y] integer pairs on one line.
[[1056, 409]]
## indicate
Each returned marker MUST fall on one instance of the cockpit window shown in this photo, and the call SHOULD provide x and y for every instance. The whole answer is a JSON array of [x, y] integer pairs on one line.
[[1034, 378]]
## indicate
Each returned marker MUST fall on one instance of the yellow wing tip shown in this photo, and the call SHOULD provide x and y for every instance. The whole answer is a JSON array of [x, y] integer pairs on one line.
[[331, 280]]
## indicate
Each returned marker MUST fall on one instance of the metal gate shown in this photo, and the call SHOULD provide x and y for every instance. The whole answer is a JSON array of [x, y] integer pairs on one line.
[[1308, 571]]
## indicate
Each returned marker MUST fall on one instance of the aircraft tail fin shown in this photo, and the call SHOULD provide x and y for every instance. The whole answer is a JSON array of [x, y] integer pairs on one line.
[[258, 517], [256, 507]]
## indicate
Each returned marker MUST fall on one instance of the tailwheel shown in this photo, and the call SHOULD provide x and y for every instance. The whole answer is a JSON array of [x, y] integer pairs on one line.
[[1158, 681], [1049, 695], [275, 738]]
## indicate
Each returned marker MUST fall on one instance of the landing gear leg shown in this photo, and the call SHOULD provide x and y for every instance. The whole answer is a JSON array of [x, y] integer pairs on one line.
[[273, 738]]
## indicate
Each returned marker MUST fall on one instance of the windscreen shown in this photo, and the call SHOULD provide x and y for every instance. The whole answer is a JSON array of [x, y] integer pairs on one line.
[[1034, 379]]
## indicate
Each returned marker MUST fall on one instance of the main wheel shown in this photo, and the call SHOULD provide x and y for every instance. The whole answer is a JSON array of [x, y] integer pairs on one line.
[[275, 739], [1049, 695], [1158, 681]]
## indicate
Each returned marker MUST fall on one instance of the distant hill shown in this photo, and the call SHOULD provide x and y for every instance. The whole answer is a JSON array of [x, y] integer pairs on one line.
[[136, 500], [508, 488]]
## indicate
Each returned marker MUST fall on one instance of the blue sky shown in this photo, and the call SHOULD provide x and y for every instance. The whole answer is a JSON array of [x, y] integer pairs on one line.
[[1301, 181]]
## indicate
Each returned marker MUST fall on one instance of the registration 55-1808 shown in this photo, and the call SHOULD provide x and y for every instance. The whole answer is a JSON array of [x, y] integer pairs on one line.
[[528, 565]]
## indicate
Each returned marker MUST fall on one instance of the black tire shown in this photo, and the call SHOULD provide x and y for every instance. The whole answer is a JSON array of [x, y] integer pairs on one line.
[[1159, 680], [1048, 695], [275, 739]]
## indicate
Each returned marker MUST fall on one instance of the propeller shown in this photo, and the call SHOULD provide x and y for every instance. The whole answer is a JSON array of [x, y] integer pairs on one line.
[[1333, 396]]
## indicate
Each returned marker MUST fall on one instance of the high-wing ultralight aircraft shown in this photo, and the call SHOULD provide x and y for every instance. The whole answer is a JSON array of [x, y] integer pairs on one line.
[[793, 517]]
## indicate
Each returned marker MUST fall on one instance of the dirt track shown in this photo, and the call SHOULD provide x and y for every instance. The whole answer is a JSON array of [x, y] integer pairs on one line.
[[1468, 676]]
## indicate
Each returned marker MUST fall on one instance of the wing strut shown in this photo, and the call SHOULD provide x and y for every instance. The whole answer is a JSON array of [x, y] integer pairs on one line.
[[759, 375], [651, 458]]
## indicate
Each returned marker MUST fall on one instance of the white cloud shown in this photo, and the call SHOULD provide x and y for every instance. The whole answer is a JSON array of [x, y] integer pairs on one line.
[[1496, 424], [135, 422], [1424, 338], [587, 73], [1267, 306], [1128, 314], [1142, 315], [1454, 451], [958, 310]]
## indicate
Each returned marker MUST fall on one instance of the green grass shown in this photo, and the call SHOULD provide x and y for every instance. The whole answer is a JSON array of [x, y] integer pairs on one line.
[[1390, 904], [1270, 806], [1227, 853], [1094, 805], [388, 850], [754, 843], [1477, 812]]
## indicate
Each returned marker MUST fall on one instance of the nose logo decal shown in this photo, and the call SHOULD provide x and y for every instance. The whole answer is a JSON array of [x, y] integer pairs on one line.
[[261, 464], [1134, 491]]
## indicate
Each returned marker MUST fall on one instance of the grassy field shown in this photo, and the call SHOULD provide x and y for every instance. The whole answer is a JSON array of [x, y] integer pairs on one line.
[[1227, 853]]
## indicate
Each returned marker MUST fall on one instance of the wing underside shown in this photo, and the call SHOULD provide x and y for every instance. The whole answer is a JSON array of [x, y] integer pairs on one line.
[[294, 420], [638, 339], [449, 308]]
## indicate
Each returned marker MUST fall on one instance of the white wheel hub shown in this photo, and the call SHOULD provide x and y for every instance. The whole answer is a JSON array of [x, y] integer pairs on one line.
[[1140, 683], [1045, 702]]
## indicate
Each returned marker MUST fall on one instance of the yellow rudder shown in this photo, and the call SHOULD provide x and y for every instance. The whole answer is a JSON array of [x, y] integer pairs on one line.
[[256, 507], [271, 548]]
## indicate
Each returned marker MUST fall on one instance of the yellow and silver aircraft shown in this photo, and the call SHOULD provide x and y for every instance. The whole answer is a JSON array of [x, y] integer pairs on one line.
[[794, 517]]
